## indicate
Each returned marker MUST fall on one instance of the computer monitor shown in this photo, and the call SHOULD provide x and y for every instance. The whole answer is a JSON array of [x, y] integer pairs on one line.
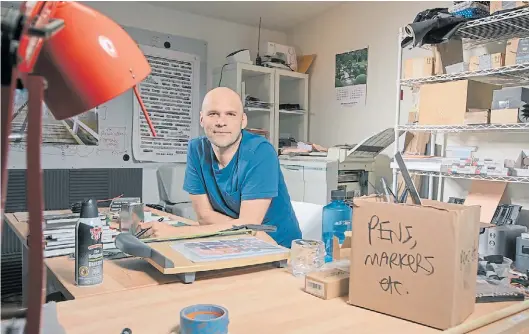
[[170, 184]]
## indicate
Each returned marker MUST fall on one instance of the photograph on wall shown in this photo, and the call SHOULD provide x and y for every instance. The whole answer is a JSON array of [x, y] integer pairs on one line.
[[350, 79], [78, 130]]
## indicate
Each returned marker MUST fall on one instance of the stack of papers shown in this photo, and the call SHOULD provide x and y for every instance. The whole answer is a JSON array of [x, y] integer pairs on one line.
[[59, 234]]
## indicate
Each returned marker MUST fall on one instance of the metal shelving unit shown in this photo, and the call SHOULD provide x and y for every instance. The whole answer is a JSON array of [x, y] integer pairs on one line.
[[514, 75], [496, 27], [519, 127], [511, 179], [490, 29]]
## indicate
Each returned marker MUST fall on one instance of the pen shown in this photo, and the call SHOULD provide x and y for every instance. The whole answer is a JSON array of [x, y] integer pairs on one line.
[[142, 232]]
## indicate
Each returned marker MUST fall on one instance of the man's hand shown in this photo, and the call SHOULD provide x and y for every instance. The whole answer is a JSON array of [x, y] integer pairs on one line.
[[158, 230]]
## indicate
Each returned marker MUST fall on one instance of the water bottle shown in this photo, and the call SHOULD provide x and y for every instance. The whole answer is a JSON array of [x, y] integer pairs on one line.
[[337, 219]]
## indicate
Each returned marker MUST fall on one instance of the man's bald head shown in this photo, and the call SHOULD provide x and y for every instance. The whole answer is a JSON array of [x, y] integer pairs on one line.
[[222, 116], [222, 95]]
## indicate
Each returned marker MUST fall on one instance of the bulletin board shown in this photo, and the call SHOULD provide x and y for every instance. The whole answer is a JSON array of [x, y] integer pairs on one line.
[[110, 141]]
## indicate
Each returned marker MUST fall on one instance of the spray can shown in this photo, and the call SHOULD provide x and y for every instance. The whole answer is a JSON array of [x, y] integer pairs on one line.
[[89, 246]]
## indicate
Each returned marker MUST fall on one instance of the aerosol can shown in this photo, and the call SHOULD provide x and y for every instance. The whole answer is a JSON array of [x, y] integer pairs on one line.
[[89, 246]]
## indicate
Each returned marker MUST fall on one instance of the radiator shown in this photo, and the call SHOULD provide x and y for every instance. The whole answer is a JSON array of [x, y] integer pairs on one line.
[[11, 279]]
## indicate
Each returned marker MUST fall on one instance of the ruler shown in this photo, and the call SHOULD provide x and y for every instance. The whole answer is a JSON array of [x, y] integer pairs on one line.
[[407, 180]]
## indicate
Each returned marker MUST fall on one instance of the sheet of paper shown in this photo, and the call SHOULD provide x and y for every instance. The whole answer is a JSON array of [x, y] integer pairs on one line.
[[171, 95], [488, 195]]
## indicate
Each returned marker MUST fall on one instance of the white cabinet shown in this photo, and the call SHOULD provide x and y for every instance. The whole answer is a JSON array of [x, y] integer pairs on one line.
[[287, 92], [309, 181]]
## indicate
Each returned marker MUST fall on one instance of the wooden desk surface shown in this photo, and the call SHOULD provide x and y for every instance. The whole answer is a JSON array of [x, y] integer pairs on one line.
[[119, 275], [258, 301]]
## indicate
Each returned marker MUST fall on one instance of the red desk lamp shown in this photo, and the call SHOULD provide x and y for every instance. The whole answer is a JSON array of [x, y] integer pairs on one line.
[[74, 58]]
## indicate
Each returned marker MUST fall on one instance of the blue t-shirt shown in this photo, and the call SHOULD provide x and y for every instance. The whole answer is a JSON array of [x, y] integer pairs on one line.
[[252, 173]]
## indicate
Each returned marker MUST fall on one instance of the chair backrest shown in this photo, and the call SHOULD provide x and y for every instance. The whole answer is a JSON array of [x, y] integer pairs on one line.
[[309, 216]]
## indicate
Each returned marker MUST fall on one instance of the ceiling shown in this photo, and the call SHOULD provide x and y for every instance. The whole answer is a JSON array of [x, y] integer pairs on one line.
[[276, 15]]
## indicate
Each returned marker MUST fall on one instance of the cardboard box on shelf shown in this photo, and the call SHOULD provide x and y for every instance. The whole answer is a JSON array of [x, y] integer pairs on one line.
[[327, 283], [447, 54], [418, 67], [505, 116], [496, 6], [477, 116], [473, 63], [415, 262], [517, 51], [497, 60], [446, 103]]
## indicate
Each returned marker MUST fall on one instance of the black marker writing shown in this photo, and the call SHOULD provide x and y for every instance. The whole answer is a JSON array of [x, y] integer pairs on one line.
[[390, 285], [384, 232], [467, 257], [414, 262]]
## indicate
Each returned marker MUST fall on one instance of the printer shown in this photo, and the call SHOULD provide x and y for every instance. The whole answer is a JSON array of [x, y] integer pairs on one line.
[[173, 198], [344, 167]]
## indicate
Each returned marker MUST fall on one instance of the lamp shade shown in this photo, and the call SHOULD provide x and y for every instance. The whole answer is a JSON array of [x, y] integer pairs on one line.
[[89, 62]]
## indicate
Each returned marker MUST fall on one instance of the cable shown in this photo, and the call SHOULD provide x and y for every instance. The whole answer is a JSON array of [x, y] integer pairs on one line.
[[221, 70]]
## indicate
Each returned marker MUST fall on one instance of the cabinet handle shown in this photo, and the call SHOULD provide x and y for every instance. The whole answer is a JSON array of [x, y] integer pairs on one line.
[[292, 167]]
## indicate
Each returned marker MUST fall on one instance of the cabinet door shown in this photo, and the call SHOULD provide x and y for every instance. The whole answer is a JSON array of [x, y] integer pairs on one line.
[[316, 185], [293, 176]]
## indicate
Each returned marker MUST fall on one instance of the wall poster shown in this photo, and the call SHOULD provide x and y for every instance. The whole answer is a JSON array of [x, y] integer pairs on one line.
[[171, 95], [350, 79]]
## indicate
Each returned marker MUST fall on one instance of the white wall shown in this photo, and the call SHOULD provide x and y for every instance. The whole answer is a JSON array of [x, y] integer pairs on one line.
[[223, 37], [375, 24], [351, 26]]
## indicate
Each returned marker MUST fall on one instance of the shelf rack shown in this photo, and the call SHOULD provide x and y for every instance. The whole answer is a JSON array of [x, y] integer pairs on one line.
[[519, 127], [494, 28], [510, 179], [513, 75]]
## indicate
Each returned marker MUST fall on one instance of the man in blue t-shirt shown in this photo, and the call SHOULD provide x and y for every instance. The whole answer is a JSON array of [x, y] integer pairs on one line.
[[233, 176]]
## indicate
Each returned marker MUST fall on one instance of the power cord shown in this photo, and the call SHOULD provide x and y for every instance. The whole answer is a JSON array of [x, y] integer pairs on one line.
[[221, 71]]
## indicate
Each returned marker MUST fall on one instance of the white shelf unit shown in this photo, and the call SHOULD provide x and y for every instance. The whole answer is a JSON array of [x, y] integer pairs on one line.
[[257, 82], [270, 85], [474, 33], [291, 88]]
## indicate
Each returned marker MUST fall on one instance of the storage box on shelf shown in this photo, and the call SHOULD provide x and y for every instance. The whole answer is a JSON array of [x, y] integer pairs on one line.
[[443, 118], [282, 106]]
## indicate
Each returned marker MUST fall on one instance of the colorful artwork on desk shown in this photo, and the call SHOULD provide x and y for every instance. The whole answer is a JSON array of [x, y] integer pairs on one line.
[[79, 130], [226, 249], [350, 79]]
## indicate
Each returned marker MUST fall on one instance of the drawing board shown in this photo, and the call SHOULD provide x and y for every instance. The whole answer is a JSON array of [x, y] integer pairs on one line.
[[252, 256]]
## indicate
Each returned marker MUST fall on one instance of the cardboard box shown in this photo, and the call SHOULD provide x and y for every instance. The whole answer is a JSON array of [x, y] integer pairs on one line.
[[341, 252], [327, 283], [505, 116], [414, 262], [418, 67], [486, 62], [446, 103], [517, 51], [477, 116], [498, 60], [447, 54], [496, 6], [473, 63]]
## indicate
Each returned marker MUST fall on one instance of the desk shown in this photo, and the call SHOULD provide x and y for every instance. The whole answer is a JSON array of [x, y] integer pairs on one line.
[[258, 301], [120, 275]]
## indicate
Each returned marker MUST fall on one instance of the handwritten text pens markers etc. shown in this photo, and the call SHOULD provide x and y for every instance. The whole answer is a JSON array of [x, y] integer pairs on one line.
[[414, 261]]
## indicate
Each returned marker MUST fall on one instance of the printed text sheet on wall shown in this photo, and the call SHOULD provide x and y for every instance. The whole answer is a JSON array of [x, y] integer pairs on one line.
[[171, 96]]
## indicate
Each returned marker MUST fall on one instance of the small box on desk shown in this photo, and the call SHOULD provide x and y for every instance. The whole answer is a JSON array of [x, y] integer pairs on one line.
[[446, 103], [415, 262], [327, 283]]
